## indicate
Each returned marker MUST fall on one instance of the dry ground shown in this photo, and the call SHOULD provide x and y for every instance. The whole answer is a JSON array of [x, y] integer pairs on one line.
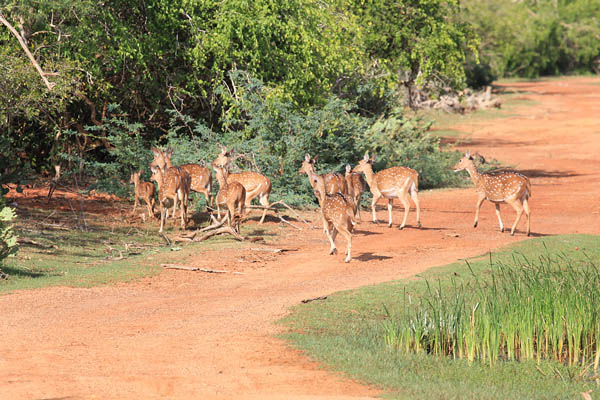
[[203, 336]]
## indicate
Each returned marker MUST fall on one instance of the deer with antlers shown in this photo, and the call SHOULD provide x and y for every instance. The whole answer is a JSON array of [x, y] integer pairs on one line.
[[173, 185], [201, 177], [356, 186], [499, 187], [142, 191], [338, 215], [391, 183], [255, 183], [232, 194]]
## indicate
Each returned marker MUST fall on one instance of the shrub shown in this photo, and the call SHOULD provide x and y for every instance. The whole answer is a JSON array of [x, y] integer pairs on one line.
[[8, 238]]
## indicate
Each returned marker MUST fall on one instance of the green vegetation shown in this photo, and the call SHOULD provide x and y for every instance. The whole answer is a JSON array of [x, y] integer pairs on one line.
[[350, 331], [71, 247], [536, 38]]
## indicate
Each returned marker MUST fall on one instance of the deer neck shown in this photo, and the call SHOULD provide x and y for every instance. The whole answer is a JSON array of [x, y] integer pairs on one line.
[[474, 174], [221, 178], [312, 176], [160, 177], [370, 178]]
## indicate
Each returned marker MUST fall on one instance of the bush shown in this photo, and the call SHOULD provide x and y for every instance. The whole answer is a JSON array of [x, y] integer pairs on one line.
[[398, 140], [111, 167], [8, 238]]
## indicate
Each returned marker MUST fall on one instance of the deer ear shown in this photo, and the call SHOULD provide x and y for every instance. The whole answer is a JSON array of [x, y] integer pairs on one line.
[[157, 153], [373, 158], [366, 157], [468, 154], [307, 157], [169, 152], [315, 159], [348, 168]]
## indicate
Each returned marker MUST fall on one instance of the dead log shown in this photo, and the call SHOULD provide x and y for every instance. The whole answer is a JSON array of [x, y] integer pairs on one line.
[[188, 268]]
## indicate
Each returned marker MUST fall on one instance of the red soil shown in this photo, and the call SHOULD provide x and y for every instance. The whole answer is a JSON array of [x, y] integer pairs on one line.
[[205, 336]]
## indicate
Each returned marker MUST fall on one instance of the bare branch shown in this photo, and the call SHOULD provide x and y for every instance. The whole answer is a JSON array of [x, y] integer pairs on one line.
[[48, 84]]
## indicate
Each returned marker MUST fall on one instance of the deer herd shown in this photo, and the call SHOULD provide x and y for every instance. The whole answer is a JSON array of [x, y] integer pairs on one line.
[[338, 195]]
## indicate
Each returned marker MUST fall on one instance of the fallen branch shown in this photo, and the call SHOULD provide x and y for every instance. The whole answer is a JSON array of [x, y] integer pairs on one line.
[[165, 238], [316, 298], [219, 231], [188, 268], [269, 250], [23, 240]]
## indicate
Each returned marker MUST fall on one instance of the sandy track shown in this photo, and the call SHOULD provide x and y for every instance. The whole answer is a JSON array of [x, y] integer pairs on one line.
[[201, 336]]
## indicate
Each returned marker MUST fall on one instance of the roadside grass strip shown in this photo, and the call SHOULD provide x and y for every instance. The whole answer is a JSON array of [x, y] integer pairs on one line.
[[523, 322]]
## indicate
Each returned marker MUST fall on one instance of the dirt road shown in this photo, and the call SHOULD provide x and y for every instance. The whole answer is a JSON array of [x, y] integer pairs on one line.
[[203, 336]]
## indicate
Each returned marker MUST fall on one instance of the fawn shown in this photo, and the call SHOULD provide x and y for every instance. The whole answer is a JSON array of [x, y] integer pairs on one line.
[[255, 184], [338, 215], [231, 194], [173, 185], [499, 187], [142, 191], [391, 183], [356, 186]]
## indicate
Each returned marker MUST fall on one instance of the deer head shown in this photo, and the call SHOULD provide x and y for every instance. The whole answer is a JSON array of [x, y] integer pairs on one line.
[[308, 165], [365, 164]]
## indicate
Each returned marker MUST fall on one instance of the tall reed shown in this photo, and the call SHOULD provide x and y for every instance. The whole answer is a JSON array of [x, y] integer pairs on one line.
[[547, 309]]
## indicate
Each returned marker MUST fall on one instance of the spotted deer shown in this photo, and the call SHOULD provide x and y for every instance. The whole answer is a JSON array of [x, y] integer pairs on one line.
[[356, 186], [231, 194], [391, 183], [201, 180], [255, 184], [334, 182], [142, 191], [201, 177], [173, 186], [499, 187], [338, 215]]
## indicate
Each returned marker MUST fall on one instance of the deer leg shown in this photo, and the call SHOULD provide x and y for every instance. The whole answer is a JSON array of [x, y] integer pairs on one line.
[[330, 232], [516, 204], [348, 236], [135, 204], [499, 218], [357, 203], [175, 206], [406, 203], [150, 201], [414, 195], [528, 213], [162, 216], [264, 200], [206, 194], [390, 206], [373, 204], [477, 208]]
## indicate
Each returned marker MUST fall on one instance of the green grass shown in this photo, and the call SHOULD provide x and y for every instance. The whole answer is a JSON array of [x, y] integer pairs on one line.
[[346, 332], [102, 248]]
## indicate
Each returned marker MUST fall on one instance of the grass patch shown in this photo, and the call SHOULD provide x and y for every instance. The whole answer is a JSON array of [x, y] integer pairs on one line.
[[347, 333], [100, 245]]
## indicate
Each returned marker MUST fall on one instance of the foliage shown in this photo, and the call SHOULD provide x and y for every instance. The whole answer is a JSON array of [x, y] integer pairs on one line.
[[346, 332], [274, 135], [534, 38], [526, 310], [422, 40], [161, 55], [112, 166], [8, 238], [398, 140]]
